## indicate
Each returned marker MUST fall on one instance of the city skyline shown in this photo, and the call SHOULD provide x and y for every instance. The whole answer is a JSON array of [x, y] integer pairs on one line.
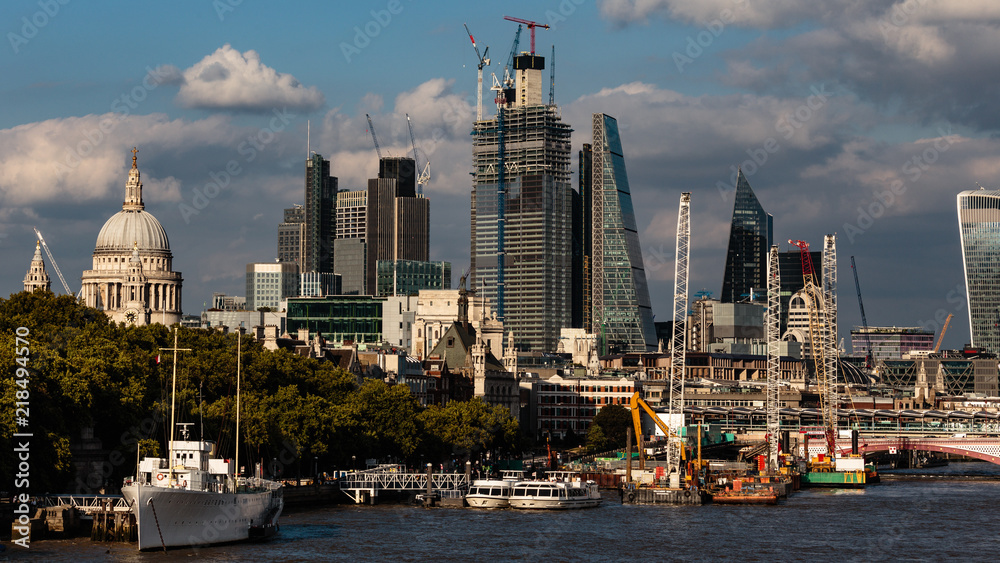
[[866, 124]]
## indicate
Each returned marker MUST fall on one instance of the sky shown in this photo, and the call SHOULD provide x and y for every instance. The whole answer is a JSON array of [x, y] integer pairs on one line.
[[863, 119]]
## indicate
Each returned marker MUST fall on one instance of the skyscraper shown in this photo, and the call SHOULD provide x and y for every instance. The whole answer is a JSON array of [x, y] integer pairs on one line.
[[537, 249], [403, 170], [979, 226], [621, 311], [750, 238], [291, 231], [320, 216]]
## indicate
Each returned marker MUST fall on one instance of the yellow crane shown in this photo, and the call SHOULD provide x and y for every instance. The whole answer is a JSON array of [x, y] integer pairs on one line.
[[944, 329]]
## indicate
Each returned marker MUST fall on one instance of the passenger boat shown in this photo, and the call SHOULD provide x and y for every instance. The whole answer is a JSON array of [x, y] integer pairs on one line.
[[486, 493], [555, 495], [191, 498]]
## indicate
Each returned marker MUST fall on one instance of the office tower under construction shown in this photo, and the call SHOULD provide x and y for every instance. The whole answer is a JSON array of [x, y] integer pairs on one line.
[[534, 210]]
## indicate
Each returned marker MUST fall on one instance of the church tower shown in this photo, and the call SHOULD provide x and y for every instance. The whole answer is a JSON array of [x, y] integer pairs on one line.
[[37, 277]]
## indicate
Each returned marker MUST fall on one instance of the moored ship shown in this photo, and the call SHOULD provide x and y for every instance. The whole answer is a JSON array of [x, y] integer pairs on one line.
[[192, 498]]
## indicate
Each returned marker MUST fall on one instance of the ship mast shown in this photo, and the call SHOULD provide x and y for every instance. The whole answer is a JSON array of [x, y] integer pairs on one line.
[[173, 398], [239, 342]]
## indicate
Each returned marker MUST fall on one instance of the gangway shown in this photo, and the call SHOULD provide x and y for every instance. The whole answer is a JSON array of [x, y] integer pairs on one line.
[[87, 505], [366, 485]]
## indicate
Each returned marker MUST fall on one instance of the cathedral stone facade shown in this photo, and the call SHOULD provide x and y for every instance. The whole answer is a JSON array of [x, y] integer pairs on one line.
[[132, 279]]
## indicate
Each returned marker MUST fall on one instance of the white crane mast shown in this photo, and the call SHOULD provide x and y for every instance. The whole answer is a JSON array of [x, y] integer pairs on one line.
[[773, 357], [678, 346], [53, 260], [830, 351]]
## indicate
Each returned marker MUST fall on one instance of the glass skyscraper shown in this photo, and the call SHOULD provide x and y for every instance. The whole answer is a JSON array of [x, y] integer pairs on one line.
[[979, 225], [621, 312], [750, 238]]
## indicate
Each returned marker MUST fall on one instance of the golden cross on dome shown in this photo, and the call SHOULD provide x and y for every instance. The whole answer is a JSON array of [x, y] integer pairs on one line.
[[134, 151]]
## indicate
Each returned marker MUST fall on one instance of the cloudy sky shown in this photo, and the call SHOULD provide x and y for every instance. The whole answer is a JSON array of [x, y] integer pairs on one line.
[[859, 118]]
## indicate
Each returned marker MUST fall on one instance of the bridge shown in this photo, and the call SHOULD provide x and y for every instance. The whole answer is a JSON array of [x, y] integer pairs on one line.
[[365, 485], [986, 449]]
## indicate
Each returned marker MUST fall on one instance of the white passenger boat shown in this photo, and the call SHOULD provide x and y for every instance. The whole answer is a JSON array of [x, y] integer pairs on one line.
[[191, 498], [555, 495], [486, 493]]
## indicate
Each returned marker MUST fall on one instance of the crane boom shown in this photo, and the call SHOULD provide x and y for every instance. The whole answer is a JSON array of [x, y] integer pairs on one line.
[[482, 60], [531, 27], [422, 177], [944, 329], [678, 346], [869, 361], [371, 129], [773, 357], [816, 305], [53, 260]]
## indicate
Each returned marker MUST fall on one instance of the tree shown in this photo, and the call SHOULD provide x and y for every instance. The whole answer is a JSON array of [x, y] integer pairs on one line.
[[614, 421]]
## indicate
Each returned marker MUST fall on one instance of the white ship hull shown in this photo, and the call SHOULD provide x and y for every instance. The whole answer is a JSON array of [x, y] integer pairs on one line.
[[178, 517], [489, 494], [548, 495]]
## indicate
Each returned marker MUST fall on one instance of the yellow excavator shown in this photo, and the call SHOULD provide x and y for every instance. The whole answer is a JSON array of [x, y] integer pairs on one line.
[[635, 403]]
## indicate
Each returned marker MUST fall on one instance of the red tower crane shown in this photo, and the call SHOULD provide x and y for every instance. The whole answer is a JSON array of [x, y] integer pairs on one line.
[[531, 27]]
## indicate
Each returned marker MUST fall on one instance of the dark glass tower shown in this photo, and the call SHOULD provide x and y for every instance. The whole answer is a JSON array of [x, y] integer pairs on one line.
[[320, 216], [749, 241]]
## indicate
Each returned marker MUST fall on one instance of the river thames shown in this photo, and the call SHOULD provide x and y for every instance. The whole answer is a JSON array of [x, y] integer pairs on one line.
[[905, 518]]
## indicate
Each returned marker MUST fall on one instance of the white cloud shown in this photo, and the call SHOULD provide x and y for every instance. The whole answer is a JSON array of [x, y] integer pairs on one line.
[[73, 160], [230, 80]]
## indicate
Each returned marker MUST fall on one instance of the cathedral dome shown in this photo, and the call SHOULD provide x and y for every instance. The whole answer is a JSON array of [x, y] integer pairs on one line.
[[132, 227]]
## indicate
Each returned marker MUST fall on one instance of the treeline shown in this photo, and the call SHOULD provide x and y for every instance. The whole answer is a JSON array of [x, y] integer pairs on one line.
[[298, 414]]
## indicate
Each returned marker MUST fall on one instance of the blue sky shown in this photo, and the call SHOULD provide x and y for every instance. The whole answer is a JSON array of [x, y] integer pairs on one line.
[[864, 119]]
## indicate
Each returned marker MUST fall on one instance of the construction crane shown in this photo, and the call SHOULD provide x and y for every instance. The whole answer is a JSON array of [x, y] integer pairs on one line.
[[552, 78], [944, 329], [508, 79], [831, 353], [371, 129], [501, 102], [816, 305], [531, 27], [772, 330], [678, 346], [483, 60], [422, 177], [869, 361], [55, 266]]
